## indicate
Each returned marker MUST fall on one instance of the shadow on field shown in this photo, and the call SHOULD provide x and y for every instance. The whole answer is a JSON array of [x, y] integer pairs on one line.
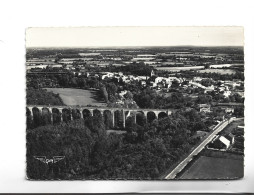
[[95, 94]]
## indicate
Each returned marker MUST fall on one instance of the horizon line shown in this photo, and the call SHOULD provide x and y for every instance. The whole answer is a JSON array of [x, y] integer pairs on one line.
[[134, 46]]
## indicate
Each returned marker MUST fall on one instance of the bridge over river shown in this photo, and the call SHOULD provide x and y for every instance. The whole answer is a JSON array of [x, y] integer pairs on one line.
[[77, 112]]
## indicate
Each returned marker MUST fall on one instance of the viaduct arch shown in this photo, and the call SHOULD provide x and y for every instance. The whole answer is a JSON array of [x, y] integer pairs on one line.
[[82, 112]]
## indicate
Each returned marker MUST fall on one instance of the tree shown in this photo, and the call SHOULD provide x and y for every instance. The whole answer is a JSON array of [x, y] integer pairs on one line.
[[128, 95], [239, 111], [111, 88], [175, 84], [207, 66], [104, 93], [74, 82], [204, 99], [206, 82], [96, 125], [81, 82]]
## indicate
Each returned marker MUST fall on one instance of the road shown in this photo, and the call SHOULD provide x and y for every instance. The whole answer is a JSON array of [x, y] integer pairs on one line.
[[198, 149]]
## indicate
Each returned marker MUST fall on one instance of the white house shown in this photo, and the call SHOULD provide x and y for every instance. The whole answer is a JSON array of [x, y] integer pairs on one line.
[[227, 93], [107, 74], [197, 79], [225, 141]]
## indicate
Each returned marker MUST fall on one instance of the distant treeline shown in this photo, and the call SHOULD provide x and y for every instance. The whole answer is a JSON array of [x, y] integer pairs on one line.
[[215, 76], [45, 52]]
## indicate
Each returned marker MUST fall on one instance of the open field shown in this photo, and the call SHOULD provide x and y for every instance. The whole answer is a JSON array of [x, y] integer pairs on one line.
[[219, 71], [80, 97], [214, 168]]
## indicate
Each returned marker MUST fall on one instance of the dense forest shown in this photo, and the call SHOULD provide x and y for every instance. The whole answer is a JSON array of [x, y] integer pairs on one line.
[[144, 152], [42, 97]]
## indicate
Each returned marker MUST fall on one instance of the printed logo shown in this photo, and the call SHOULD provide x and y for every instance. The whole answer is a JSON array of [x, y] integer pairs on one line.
[[55, 159]]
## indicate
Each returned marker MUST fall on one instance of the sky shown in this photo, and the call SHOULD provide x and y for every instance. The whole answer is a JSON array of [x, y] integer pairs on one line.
[[133, 36]]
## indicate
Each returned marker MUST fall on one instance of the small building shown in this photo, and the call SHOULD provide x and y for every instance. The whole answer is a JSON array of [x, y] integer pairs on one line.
[[219, 143], [160, 86], [197, 79], [152, 73], [225, 141], [229, 110], [204, 108], [227, 93], [122, 93], [143, 83]]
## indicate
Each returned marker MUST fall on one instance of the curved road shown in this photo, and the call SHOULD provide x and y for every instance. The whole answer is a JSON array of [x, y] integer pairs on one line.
[[200, 147]]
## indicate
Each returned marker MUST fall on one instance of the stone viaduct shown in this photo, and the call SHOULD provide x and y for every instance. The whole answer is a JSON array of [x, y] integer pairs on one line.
[[85, 111]]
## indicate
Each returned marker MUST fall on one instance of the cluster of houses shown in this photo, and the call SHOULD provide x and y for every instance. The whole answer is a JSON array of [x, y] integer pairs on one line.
[[159, 82], [226, 88], [155, 82]]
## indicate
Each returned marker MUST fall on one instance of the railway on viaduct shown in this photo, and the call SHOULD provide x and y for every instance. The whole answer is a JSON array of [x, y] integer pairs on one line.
[[82, 112]]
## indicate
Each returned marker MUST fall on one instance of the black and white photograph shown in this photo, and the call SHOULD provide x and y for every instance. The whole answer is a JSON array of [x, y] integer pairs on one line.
[[135, 103]]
